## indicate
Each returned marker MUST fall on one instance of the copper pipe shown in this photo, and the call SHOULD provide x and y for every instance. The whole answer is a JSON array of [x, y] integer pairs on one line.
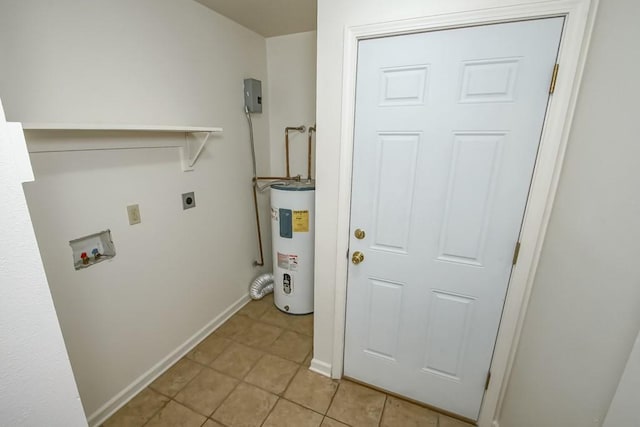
[[312, 129], [286, 144], [277, 178], [255, 180], [255, 204]]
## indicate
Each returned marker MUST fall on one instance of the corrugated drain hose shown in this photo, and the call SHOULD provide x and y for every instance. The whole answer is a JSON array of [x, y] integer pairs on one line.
[[261, 286]]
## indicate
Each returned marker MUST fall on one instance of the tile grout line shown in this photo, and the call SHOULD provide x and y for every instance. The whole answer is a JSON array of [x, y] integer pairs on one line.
[[269, 391], [280, 326], [266, 349], [300, 366], [216, 421], [281, 396], [214, 357], [259, 387], [234, 339], [156, 412], [167, 370], [189, 408], [304, 407], [270, 411], [222, 403], [184, 387], [332, 399], [252, 368], [384, 406], [188, 382], [241, 381]]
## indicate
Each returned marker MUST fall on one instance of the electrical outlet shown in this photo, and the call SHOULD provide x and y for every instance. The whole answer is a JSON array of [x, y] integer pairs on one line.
[[134, 214], [188, 200]]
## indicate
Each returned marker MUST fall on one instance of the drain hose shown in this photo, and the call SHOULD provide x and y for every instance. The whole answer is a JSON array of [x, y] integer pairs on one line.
[[261, 286]]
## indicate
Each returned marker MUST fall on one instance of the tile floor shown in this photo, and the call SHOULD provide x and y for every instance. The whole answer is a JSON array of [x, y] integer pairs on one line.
[[252, 371]]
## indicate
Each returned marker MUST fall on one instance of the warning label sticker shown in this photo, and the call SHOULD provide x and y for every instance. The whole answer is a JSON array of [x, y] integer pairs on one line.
[[283, 261], [293, 262], [288, 261], [300, 221]]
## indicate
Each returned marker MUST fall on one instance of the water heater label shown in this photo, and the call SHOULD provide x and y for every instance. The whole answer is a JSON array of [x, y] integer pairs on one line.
[[283, 261], [300, 221], [285, 223], [288, 261]]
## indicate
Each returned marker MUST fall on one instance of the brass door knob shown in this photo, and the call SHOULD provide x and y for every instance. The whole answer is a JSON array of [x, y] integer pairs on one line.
[[357, 257], [359, 234]]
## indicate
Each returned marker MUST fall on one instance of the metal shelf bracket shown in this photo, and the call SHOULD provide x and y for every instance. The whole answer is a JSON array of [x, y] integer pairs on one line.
[[194, 144]]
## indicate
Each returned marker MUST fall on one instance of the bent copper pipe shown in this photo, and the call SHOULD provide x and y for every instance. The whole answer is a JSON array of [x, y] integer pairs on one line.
[[277, 178], [255, 180], [255, 204], [286, 144], [273, 178], [312, 129]]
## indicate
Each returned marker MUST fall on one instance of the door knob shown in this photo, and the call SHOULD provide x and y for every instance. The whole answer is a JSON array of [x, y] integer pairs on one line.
[[357, 257], [359, 234]]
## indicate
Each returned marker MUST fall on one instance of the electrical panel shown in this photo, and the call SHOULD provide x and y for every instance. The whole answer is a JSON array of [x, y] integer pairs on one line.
[[253, 95]]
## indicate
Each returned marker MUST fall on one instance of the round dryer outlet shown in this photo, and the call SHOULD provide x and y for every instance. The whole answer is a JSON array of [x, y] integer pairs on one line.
[[188, 200]]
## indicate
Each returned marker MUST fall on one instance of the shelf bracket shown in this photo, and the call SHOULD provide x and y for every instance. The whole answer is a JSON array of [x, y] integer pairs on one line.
[[194, 143]]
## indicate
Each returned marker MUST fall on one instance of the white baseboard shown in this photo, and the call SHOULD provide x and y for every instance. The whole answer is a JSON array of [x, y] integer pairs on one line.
[[120, 399], [319, 367]]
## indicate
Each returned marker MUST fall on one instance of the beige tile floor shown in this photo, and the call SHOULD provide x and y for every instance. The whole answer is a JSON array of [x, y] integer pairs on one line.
[[253, 371]]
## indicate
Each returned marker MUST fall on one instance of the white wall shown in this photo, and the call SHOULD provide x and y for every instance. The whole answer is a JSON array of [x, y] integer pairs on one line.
[[163, 62], [585, 307], [291, 65], [36, 383], [584, 312], [623, 411]]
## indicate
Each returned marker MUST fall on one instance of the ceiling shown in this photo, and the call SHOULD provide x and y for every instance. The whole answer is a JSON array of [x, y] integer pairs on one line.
[[268, 17]]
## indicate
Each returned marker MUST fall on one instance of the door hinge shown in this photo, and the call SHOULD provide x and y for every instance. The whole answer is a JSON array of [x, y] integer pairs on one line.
[[554, 77], [486, 383], [516, 252]]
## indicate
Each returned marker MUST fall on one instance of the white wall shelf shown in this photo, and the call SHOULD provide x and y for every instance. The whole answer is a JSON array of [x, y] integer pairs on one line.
[[191, 148]]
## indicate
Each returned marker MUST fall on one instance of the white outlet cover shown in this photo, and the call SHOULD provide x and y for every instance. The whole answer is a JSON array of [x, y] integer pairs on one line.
[[133, 211]]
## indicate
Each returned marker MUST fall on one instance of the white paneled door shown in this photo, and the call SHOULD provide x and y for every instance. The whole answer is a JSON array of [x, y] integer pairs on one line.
[[447, 128]]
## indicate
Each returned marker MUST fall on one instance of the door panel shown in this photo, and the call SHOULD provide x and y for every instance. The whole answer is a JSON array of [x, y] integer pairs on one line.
[[446, 134], [472, 182], [489, 80], [393, 194], [449, 324], [385, 303]]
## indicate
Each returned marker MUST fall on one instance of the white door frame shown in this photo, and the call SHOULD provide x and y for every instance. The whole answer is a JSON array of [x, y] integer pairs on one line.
[[579, 17]]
